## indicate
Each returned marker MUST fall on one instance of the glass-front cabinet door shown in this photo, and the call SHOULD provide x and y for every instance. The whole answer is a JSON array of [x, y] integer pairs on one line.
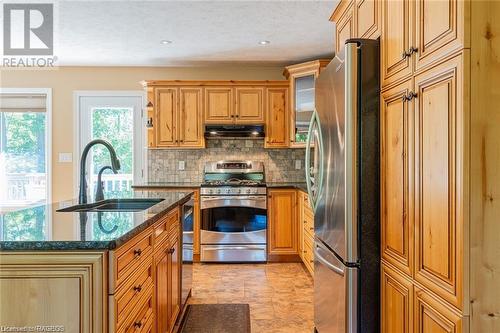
[[303, 106], [302, 79]]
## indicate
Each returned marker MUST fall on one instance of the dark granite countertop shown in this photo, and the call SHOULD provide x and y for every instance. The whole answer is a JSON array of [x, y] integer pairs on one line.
[[44, 228], [297, 185], [165, 185]]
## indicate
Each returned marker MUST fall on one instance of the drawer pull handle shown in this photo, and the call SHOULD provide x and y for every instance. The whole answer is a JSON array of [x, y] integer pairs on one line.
[[305, 222], [311, 228], [137, 288], [137, 253], [171, 251], [138, 324], [311, 261]]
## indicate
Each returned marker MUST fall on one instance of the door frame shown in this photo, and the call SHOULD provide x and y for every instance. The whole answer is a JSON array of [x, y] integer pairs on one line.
[[48, 128], [77, 95]]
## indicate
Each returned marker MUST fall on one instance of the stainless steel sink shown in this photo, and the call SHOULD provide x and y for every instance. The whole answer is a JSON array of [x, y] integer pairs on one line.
[[114, 205]]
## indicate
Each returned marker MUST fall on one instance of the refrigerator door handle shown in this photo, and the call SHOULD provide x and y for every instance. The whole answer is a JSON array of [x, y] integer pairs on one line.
[[325, 262], [318, 183]]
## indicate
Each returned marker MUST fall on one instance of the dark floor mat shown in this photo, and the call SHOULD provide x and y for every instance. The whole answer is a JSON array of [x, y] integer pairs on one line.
[[217, 318]]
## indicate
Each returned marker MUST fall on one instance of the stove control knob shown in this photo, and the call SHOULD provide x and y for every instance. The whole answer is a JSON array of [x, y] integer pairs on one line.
[[249, 191], [210, 191]]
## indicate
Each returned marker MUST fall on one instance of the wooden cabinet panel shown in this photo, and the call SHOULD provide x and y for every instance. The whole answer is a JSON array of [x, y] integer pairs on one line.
[[249, 105], [439, 220], [368, 18], [282, 226], [396, 40], [278, 118], [396, 185], [308, 252], [219, 105], [432, 316], [166, 117], [396, 302], [345, 28], [174, 281], [162, 290], [191, 117], [439, 29]]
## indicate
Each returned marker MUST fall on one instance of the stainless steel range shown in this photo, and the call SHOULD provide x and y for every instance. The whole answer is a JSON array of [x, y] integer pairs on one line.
[[233, 204]]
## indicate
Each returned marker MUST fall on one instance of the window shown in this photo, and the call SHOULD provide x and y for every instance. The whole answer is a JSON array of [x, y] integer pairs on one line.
[[117, 119], [24, 157]]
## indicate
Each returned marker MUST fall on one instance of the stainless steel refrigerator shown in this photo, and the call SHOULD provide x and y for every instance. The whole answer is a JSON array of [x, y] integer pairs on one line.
[[342, 162]]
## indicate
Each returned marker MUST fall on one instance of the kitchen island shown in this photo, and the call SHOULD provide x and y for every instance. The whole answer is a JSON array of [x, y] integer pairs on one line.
[[93, 271]]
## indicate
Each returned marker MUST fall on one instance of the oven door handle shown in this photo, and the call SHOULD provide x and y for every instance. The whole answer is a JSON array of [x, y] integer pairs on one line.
[[234, 197], [234, 201]]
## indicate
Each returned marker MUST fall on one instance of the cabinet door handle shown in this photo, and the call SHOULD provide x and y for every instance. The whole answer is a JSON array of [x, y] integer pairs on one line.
[[171, 251], [137, 253], [137, 288], [411, 95], [149, 123], [138, 324], [405, 54], [412, 50]]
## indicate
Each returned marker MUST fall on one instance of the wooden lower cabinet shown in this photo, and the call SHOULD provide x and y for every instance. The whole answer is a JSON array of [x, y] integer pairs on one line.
[[433, 316], [306, 226], [283, 239], [396, 301], [66, 289]]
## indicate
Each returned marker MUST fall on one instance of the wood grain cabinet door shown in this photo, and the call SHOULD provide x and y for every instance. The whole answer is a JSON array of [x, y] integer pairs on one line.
[[174, 282], [440, 145], [396, 302], [432, 316], [166, 102], [219, 105], [396, 190], [345, 28], [397, 27], [191, 117], [161, 260], [368, 18], [249, 105], [439, 29], [282, 222], [277, 119]]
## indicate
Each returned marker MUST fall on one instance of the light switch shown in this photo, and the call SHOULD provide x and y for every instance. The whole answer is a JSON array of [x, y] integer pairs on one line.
[[65, 157], [182, 165], [298, 164]]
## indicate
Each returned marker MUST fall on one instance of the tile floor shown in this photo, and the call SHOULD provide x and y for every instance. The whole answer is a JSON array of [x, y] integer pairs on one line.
[[280, 295]]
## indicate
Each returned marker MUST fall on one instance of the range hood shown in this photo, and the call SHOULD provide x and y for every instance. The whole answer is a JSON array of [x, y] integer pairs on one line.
[[234, 131]]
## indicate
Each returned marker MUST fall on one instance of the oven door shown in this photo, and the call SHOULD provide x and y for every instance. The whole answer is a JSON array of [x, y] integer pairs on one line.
[[233, 220]]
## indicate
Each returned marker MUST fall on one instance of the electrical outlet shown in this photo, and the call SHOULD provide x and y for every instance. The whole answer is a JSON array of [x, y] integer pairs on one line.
[[298, 164], [65, 157], [182, 165]]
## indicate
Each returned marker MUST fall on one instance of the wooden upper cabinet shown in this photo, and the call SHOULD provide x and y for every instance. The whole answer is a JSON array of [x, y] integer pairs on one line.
[[439, 219], [277, 118], [396, 202], [369, 18], [282, 222], [191, 117], [249, 105], [219, 105], [439, 29], [166, 117], [396, 60], [432, 316], [396, 302], [345, 27]]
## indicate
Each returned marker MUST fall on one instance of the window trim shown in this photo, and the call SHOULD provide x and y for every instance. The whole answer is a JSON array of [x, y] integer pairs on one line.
[[77, 95], [48, 128]]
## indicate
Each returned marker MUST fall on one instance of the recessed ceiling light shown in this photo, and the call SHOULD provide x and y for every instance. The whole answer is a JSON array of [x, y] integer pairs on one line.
[[264, 42], [165, 42]]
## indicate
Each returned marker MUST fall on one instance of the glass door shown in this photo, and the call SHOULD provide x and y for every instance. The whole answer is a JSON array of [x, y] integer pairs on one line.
[[304, 106], [117, 120]]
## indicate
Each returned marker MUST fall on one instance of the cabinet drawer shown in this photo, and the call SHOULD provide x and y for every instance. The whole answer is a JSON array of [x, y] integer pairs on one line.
[[132, 291], [308, 225], [308, 255], [139, 317], [164, 226], [128, 259]]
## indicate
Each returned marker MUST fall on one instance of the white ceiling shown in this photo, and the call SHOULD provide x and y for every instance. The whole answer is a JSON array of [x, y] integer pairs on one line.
[[128, 33]]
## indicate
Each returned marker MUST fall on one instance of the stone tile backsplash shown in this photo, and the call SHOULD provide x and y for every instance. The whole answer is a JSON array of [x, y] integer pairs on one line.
[[279, 163]]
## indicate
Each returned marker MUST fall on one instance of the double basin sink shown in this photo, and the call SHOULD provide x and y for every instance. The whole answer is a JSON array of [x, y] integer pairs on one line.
[[114, 205]]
